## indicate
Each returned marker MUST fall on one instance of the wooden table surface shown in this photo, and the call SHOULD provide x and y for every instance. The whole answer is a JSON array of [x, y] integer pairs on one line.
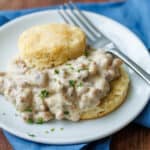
[[132, 137]]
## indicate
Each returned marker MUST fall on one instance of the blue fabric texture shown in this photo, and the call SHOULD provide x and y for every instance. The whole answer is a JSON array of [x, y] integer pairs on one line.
[[132, 13]]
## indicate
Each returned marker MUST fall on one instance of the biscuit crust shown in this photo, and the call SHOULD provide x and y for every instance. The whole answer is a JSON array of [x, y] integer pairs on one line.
[[117, 95], [49, 45]]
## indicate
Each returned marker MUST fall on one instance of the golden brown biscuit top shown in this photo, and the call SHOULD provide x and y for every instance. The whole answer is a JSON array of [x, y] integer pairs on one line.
[[49, 44]]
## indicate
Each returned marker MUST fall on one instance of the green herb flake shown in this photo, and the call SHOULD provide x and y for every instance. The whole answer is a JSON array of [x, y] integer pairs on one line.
[[72, 83], [71, 68], [86, 53], [44, 94], [52, 129], [90, 59], [46, 131], [82, 69], [79, 70], [61, 129], [39, 121], [28, 109], [56, 71], [55, 79], [31, 135], [3, 114], [66, 112], [30, 121], [80, 84], [68, 64], [85, 68], [16, 115]]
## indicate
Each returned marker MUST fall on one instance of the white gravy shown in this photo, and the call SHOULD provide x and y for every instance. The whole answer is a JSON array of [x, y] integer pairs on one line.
[[63, 92]]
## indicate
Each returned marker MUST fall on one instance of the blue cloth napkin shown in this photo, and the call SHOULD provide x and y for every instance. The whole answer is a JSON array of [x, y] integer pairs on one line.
[[132, 13]]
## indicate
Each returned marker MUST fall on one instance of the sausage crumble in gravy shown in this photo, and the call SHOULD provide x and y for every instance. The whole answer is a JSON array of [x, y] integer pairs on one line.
[[62, 92]]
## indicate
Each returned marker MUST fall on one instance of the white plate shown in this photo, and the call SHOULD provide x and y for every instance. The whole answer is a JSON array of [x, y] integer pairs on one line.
[[83, 131]]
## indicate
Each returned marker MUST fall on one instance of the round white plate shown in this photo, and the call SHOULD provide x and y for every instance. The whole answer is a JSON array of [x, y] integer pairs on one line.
[[82, 131]]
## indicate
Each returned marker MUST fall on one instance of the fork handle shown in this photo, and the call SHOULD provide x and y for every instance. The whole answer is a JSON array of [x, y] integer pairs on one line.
[[141, 72]]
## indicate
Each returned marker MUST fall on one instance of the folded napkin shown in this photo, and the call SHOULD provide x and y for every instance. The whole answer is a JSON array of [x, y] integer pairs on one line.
[[133, 14]]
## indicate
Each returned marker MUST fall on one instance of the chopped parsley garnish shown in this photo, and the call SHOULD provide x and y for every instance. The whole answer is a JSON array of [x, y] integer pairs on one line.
[[61, 129], [66, 112], [44, 94], [39, 121], [68, 64], [30, 121], [16, 114], [79, 70], [72, 83], [46, 131], [86, 53], [31, 135], [3, 114], [52, 129], [82, 69], [71, 68], [56, 71], [85, 68], [80, 84], [28, 109], [90, 59], [55, 79]]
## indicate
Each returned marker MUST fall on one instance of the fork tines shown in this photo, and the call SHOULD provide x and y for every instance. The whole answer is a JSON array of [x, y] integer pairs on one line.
[[72, 15]]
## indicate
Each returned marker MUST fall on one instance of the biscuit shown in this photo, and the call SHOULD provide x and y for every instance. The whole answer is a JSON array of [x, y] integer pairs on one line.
[[117, 95], [49, 45]]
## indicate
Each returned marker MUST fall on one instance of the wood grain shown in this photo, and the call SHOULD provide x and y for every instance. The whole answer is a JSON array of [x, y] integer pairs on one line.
[[4, 144], [19, 4], [132, 137]]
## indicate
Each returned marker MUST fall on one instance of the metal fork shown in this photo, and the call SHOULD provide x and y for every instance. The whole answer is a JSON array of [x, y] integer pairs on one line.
[[96, 38]]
